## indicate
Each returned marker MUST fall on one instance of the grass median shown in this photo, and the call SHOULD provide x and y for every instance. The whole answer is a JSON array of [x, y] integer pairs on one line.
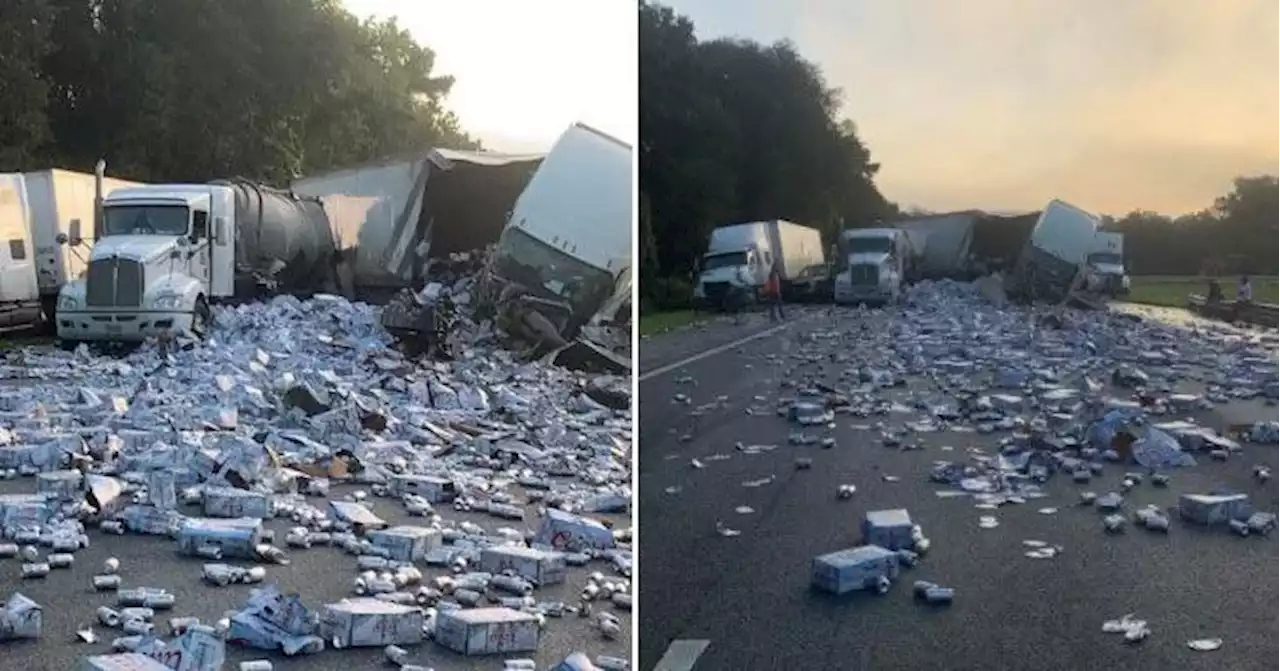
[[654, 323], [1172, 290]]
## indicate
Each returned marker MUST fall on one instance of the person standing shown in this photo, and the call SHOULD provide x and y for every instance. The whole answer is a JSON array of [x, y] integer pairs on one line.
[[1244, 292], [773, 294]]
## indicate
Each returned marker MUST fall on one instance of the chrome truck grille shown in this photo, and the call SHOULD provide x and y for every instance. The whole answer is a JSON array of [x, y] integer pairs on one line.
[[862, 274], [114, 283]]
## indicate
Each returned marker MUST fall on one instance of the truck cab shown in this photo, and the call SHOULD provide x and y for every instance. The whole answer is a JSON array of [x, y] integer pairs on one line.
[[737, 261], [1106, 263], [162, 254], [738, 270], [870, 266]]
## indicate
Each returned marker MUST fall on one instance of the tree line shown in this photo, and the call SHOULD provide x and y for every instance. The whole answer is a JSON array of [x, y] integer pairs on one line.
[[732, 130], [193, 90], [1236, 235]]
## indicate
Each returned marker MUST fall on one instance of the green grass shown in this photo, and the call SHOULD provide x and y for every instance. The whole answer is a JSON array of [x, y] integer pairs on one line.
[[661, 322], [1172, 291]]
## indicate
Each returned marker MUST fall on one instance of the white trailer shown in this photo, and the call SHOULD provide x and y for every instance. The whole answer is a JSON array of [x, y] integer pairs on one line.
[[389, 217], [569, 236], [57, 198], [1056, 254], [19, 293], [797, 248]]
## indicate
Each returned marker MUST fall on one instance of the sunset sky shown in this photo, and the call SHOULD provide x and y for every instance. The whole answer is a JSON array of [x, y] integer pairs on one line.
[[1112, 105], [527, 70]]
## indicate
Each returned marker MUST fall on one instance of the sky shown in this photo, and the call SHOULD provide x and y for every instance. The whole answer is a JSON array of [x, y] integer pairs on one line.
[[1112, 105], [525, 71]]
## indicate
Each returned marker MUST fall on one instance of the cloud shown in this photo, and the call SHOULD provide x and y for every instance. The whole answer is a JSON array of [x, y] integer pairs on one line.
[[1007, 103]]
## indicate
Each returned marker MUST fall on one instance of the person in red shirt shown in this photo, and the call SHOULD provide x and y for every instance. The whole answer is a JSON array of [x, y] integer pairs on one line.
[[773, 294]]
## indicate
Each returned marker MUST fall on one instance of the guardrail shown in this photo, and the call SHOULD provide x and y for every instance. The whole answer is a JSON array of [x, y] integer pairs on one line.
[[1263, 314]]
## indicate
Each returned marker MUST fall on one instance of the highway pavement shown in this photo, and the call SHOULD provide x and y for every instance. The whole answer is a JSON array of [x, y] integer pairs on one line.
[[712, 602], [320, 575]]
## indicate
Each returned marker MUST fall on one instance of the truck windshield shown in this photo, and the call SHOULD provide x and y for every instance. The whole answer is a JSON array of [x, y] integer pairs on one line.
[[144, 220], [868, 245], [726, 260], [1106, 258], [550, 272]]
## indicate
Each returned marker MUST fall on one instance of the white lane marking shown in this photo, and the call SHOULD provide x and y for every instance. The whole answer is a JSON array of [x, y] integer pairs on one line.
[[711, 352], [681, 655]]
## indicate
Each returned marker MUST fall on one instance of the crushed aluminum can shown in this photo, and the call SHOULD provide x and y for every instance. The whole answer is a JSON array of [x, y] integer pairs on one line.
[[1113, 523]]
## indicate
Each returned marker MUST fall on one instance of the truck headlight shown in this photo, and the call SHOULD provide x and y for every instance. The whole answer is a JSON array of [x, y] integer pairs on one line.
[[166, 302], [68, 303]]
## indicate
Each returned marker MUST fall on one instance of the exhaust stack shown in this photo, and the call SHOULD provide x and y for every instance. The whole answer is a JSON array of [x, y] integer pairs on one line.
[[99, 171]]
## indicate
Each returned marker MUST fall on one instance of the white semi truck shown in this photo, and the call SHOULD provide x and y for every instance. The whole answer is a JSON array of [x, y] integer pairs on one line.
[[1106, 260], [873, 265], [739, 257], [165, 253], [567, 243]]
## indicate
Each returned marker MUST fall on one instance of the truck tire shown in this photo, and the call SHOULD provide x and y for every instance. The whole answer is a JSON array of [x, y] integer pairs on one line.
[[68, 345], [201, 318], [49, 315]]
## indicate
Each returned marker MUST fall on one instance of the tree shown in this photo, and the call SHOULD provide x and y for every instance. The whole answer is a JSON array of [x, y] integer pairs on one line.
[[24, 42], [192, 90], [732, 131]]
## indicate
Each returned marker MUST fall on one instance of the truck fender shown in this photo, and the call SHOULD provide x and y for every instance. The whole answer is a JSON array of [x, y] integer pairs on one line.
[[188, 288]]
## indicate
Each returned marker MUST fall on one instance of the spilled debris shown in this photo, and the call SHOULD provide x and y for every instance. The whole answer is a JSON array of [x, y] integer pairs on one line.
[[1113, 411], [307, 411]]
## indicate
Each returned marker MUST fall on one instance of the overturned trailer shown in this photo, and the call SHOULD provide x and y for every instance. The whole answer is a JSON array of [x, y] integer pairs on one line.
[[943, 242], [391, 218]]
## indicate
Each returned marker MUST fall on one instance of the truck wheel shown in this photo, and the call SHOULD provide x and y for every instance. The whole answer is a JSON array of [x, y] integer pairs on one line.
[[202, 318], [68, 345], [49, 315]]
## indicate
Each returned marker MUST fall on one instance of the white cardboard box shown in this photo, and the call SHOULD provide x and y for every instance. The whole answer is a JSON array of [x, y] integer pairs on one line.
[[237, 537], [573, 533], [538, 566], [125, 661], [890, 529], [487, 631], [433, 489], [853, 569], [406, 543], [364, 622], [21, 618], [232, 502], [62, 485]]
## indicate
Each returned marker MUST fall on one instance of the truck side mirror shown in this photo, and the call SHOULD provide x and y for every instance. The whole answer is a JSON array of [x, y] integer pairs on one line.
[[220, 230], [74, 237]]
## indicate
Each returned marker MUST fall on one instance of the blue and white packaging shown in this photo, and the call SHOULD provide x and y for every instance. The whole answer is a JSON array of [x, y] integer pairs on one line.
[[406, 543], [231, 502], [568, 532], [889, 529], [537, 566], [235, 537], [853, 569]]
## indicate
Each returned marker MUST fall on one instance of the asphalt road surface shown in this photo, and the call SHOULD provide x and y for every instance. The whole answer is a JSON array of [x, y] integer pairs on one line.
[[709, 602], [320, 575]]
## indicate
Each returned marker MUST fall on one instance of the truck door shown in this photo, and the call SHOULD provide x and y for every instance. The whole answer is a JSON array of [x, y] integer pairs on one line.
[[222, 242], [202, 247]]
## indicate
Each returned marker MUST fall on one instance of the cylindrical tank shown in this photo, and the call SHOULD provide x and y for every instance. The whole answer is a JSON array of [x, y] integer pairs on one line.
[[282, 236]]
